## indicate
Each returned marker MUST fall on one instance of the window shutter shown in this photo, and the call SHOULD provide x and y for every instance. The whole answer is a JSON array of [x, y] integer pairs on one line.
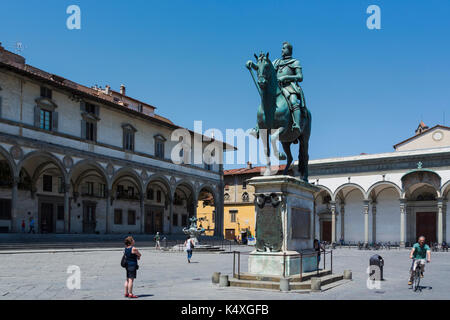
[[124, 138], [37, 116], [83, 129], [83, 106], [97, 110], [54, 121], [132, 141]]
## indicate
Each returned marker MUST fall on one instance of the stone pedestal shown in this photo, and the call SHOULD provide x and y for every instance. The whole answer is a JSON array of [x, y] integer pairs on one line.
[[284, 208]]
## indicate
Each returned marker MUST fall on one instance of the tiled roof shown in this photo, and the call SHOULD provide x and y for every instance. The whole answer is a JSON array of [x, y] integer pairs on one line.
[[253, 170]]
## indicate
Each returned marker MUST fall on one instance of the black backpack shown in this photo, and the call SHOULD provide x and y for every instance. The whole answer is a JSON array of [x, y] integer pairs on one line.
[[123, 262]]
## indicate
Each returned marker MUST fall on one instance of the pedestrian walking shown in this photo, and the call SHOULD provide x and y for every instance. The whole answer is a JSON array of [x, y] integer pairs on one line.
[[31, 225], [157, 239], [189, 244], [23, 226], [317, 249], [132, 256]]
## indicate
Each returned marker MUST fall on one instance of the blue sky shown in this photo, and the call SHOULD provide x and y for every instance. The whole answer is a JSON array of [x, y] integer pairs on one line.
[[366, 89]]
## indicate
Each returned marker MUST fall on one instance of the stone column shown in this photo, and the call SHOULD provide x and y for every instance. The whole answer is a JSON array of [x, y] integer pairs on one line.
[[440, 235], [314, 220], [342, 220], [14, 203], [402, 222], [141, 218], [333, 221], [108, 209], [366, 222], [374, 221], [67, 208], [171, 216]]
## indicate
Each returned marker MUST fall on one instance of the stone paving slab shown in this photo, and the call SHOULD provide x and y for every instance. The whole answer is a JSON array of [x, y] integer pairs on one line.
[[162, 275]]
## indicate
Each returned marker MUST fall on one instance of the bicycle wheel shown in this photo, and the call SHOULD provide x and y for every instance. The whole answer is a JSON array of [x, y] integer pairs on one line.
[[416, 282]]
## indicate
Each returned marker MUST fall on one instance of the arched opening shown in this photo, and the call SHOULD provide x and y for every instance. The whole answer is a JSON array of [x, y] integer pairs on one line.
[[6, 183], [184, 204], [322, 216], [89, 185], [43, 176], [127, 194], [206, 211], [157, 208]]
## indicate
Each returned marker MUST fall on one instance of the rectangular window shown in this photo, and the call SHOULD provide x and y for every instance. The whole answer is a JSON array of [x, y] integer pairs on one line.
[[117, 216], [5, 209], [244, 184], [90, 131], [60, 185], [101, 190], [150, 194], [131, 191], [90, 188], [175, 220], [233, 214], [159, 149], [128, 140], [90, 108], [131, 217], [45, 120], [46, 93], [47, 183], [60, 213], [158, 196], [213, 219], [184, 220]]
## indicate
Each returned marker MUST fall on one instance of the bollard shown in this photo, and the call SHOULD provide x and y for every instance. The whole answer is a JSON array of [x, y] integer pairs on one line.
[[215, 277], [284, 284], [316, 284], [223, 282], [348, 274]]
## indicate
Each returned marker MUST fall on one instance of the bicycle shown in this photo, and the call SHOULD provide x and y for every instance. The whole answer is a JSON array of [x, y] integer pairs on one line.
[[418, 271]]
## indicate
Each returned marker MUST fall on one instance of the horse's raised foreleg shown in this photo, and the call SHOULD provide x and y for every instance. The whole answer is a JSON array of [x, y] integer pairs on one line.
[[287, 151], [265, 137]]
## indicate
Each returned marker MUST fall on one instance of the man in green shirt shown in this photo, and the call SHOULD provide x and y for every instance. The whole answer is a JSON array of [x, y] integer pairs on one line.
[[157, 239], [419, 253]]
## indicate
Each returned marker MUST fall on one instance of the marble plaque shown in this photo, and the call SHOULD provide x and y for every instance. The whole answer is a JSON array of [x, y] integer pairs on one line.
[[301, 223]]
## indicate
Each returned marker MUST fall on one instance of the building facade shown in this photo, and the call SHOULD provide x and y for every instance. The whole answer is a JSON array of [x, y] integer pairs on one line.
[[92, 160], [388, 197]]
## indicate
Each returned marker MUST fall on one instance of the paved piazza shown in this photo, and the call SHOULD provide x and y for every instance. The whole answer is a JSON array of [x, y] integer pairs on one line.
[[165, 275]]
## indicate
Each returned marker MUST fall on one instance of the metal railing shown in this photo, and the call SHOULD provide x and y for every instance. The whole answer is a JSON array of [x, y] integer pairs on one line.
[[300, 257], [168, 245]]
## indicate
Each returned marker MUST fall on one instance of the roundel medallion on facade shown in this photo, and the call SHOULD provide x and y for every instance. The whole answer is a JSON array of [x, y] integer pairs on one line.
[[438, 135], [16, 152], [144, 175], [110, 169], [68, 162]]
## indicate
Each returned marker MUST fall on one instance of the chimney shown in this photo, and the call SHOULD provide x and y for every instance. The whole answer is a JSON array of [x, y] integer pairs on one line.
[[107, 89], [122, 90], [249, 165]]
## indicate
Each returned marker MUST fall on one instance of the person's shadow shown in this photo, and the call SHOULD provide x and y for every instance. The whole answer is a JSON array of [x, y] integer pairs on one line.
[[144, 295]]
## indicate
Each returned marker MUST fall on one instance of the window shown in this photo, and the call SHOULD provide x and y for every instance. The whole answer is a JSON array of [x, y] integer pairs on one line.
[[130, 191], [45, 121], [60, 185], [102, 190], [90, 188], [233, 214], [128, 137], [120, 189], [90, 128], [150, 194], [244, 184], [175, 220], [158, 196], [89, 114], [159, 146], [131, 217], [47, 183], [5, 209], [46, 93], [60, 213], [159, 152], [117, 216], [91, 108], [213, 219], [184, 220]]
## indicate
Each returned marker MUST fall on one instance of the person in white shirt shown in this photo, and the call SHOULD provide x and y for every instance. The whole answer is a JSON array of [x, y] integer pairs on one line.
[[189, 244]]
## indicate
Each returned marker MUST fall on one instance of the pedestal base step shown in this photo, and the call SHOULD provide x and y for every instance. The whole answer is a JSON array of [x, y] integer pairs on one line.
[[273, 282]]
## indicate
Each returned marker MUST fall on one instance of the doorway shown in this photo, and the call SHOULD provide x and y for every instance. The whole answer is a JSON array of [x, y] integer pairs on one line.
[[47, 221], [153, 219], [229, 234], [89, 218], [426, 226], [326, 231]]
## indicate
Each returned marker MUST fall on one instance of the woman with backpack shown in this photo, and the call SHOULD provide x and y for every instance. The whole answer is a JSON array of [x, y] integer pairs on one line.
[[189, 244], [131, 256]]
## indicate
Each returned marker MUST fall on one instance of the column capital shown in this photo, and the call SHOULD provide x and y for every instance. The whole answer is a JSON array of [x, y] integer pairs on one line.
[[366, 202]]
